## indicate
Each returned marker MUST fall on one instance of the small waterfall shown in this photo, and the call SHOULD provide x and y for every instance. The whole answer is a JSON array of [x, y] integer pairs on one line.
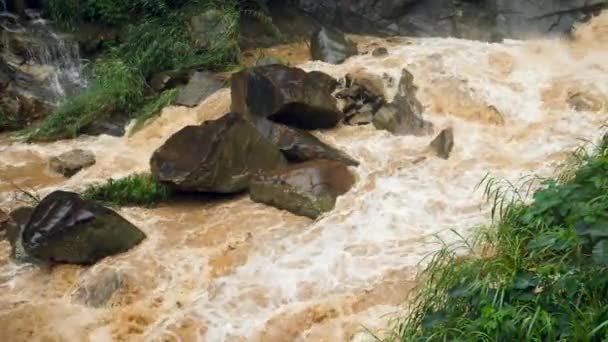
[[46, 54]]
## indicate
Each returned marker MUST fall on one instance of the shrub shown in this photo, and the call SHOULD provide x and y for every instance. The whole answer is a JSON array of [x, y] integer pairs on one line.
[[136, 190], [539, 274]]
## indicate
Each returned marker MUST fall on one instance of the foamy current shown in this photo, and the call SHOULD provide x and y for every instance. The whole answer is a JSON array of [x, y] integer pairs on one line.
[[234, 270]]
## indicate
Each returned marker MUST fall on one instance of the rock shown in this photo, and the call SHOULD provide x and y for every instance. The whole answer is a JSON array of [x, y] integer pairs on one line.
[[17, 220], [218, 156], [286, 95], [69, 163], [207, 29], [98, 290], [64, 228], [401, 122], [331, 46], [267, 60], [113, 126], [202, 85], [406, 94], [586, 101], [298, 145], [361, 118], [380, 52], [4, 222], [323, 81], [443, 143], [170, 79], [307, 189], [370, 82]]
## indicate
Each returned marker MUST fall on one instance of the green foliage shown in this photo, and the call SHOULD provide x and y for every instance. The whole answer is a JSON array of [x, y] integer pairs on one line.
[[134, 190], [153, 108], [540, 274], [117, 89]]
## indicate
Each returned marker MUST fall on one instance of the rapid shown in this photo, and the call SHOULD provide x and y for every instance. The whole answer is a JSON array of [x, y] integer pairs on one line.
[[232, 270]]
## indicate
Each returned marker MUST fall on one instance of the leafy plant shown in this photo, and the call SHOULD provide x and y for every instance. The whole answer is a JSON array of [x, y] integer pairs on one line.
[[540, 273], [136, 190]]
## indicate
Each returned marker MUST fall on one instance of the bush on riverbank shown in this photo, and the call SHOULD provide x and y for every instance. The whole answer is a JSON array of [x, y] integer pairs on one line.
[[539, 274]]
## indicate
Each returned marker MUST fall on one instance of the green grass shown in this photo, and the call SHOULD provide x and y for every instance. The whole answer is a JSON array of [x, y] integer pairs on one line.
[[133, 190], [156, 39], [8, 122], [540, 273]]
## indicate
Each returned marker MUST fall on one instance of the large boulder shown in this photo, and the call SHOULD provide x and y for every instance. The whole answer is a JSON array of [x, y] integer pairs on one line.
[[331, 46], [202, 85], [298, 145], [287, 95], [218, 156], [308, 189], [64, 228], [69, 163]]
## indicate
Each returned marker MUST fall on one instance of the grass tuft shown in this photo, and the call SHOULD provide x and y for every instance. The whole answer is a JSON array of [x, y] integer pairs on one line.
[[540, 273], [133, 190]]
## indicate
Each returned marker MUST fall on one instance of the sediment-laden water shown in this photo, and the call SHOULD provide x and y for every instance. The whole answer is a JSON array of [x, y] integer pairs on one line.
[[234, 270]]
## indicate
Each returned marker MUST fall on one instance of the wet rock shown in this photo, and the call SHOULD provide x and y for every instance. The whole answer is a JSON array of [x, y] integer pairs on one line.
[[371, 83], [298, 145], [208, 28], [400, 121], [170, 79], [99, 289], [17, 220], [202, 85], [4, 222], [361, 118], [443, 144], [267, 60], [406, 98], [331, 46], [218, 156], [307, 189], [64, 228], [113, 126], [380, 52], [323, 81], [286, 95], [586, 101], [69, 163]]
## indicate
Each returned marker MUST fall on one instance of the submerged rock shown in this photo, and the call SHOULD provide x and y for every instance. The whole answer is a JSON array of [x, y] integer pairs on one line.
[[307, 189], [298, 145], [69, 163], [380, 52], [443, 144], [361, 118], [401, 122], [98, 291], [286, 95], [218, 156], [406, 97], [202, 85], [64, 228], [331, 46]]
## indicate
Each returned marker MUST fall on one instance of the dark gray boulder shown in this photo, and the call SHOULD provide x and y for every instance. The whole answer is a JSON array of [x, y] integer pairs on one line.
[[64, 228], [443, 144], [308, 189], [201, 85], [331, 46], [218, 156], [298, 145], [286, 95]]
